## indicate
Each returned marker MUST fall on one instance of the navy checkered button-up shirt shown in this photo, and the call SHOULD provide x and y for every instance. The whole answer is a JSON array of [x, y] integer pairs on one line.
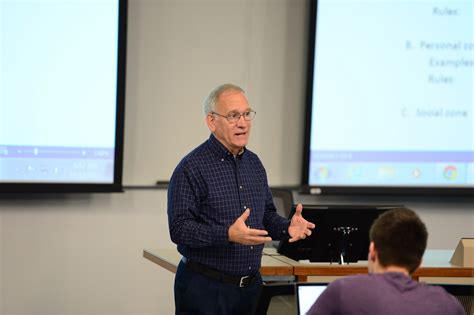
[[208, 191]]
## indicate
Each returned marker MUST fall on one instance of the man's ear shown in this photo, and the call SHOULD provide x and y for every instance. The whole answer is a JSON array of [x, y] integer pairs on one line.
[[211, 122], [372, 251]]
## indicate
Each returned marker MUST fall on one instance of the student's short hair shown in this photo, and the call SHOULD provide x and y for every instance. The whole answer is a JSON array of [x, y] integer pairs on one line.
[[211, 100], [400, 238]]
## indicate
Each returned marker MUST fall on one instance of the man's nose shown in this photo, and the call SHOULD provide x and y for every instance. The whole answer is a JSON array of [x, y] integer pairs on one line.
[[241, 121]]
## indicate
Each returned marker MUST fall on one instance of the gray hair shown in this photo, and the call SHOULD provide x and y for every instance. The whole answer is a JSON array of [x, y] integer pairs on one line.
[[211, 100]]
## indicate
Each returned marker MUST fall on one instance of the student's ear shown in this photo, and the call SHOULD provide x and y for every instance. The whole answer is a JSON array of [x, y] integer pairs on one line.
[[372, 251]]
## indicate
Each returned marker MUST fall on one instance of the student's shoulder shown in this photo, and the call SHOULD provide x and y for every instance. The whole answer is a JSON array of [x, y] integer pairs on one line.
[[438, 291], [443, 299]]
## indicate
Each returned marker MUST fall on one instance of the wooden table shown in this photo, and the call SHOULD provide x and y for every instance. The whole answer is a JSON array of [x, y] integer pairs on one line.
[[435, 264]]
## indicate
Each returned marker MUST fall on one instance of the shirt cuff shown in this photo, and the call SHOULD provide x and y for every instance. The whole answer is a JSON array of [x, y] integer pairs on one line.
[[283, 231], [222, 236]]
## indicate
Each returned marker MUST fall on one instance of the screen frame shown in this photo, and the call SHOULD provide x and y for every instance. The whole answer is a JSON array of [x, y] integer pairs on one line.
[[306, 188], [116, 185]]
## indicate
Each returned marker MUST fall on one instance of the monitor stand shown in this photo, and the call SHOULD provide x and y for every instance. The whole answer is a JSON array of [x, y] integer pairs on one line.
[[345, 243]]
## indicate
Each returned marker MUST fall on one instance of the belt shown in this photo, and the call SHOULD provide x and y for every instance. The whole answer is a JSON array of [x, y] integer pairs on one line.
[[217, 275]]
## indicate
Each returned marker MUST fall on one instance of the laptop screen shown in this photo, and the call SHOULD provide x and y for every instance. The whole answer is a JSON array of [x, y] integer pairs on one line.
[[306, 295]]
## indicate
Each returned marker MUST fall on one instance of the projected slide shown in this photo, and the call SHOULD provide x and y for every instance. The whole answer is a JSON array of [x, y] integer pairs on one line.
[[58, 87], [393, 94]]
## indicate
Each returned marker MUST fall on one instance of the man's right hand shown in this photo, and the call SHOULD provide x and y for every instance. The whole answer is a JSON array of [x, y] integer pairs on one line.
[[240, 233]]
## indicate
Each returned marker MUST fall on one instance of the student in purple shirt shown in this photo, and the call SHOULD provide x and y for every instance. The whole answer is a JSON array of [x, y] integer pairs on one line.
[[398, 241], [220, 213]]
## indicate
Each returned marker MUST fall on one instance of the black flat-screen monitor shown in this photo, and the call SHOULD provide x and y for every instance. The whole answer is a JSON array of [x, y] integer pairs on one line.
[[62, 95], [341, 234], [389, 98]]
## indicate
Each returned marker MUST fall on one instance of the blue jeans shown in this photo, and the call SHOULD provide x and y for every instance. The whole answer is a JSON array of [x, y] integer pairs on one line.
[[197, 294]]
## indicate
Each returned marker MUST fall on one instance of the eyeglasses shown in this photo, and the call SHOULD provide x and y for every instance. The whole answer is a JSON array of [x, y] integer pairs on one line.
[[233, 117]]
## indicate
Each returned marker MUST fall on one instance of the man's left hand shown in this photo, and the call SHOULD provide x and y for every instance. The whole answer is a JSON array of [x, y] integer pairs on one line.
[[299, 228]]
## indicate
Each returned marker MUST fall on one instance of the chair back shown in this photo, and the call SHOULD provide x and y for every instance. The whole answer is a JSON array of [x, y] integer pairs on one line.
[[283, 200]]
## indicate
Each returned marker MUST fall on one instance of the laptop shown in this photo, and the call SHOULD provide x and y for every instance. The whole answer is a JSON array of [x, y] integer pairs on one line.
[[306, 295]]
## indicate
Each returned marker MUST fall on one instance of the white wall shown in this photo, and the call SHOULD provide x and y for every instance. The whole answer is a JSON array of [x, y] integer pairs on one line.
[[82, 254], [180, 50]]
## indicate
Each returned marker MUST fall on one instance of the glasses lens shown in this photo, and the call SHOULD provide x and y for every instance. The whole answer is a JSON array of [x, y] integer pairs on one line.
[[249, 115], [233, 117]]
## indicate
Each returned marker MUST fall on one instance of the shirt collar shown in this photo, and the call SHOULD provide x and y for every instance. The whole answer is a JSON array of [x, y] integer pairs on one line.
[[220, 150]]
